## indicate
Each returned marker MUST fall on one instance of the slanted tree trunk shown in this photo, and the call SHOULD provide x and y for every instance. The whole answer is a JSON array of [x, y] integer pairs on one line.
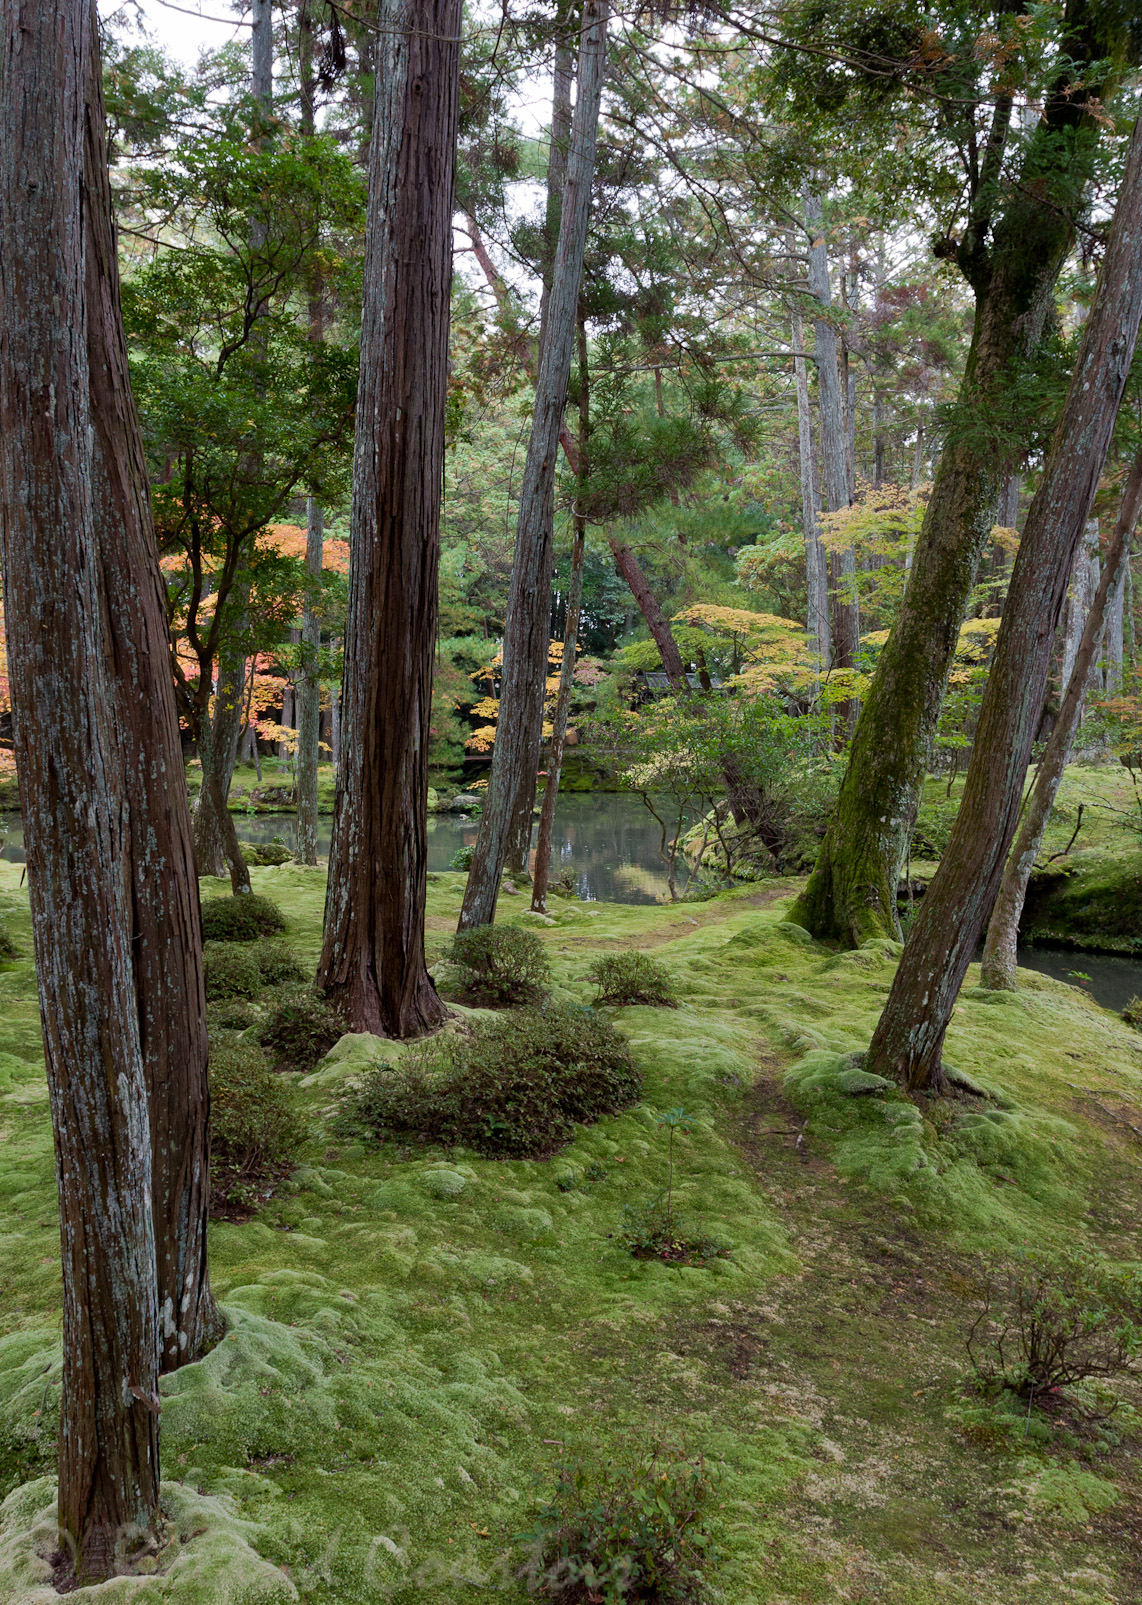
[[908, 1040], [166, 935], [999, 950], [1012, 266], [818, 627], [570, 641], [1080, 593], [309, 694], [515, 755], [372, 964], [73, 764]]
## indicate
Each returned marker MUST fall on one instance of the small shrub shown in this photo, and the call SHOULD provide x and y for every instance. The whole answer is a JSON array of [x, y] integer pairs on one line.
[[499, 964], [232, 970], [1041, 1328], [241, 919], [300, 1031], [462, 859], [655, 1230], [232, 1014], [255, 1130], [278, 963], [1132, 1013], [632, 978], [514, 1087], [624, 1530]]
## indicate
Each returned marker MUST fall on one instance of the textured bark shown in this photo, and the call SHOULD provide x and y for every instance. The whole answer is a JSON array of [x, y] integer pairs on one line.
[[655, 618], [73, 765], [908, 1040], [372, 964], [515, 755], [309, 695], [818, 628], [217, 850], [999, 950], [166, 938], [1080, 594], [851, 894]]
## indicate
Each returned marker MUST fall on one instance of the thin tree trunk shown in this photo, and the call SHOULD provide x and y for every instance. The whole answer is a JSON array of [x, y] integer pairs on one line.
[[908, 1040], [999, 951], [1112, 636], [335, 730], [166, 932], [1078, 599], [515, 755], [73, 763], [570, 639], [851, 894], [309, 695], [818, 629], [212, 815], [372, 964]]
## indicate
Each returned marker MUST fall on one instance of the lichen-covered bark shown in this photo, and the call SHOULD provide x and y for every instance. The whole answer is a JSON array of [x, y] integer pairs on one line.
[[529, 597], [372, 963], [166, 939], [73, 766], [908, 1040], [852, 892], [309, 695], [999, 949]]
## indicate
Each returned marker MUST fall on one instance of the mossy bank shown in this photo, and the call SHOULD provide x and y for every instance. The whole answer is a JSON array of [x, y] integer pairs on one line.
[[414, 1334]]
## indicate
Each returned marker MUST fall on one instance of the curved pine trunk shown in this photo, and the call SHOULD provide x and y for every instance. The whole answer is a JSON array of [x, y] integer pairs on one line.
[[372, 964]]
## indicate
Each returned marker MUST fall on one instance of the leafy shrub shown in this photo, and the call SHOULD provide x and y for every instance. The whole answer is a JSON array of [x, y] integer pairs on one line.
[[232, 1014], [1132, 1013], [499, 964], [241, 919], [632, 978], [232, 970], [8, 948], [514, 1087], [278, 963], [300, 1031], [624, 1530], [656, 1231], [1043, 1327], [255, 1130], [462, 859]]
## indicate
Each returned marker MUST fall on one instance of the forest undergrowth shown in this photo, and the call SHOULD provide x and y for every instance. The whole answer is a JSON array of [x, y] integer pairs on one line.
[[417, 1336]]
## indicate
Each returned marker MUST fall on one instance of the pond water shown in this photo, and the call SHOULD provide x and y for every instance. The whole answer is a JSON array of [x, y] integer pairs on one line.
[[610, 845]]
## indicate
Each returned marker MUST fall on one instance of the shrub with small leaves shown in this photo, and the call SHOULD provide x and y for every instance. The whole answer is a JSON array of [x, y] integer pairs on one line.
[[278, 963], [241, 919], [232, 970], [1132, 1013], [624, 1531], [632, 978], [1043, 1326], [514, 1087], [255, 1129], [232, 1014], [499, 964], [300, 1030], [462, 859]]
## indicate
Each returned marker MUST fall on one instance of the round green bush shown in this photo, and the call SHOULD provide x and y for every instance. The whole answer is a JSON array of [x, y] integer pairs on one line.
[[461, 859], [255, 1129], [232, 1014], [632, 978], [232, 970], [300, 1031], [499, 964], [278, 963], [514, 1087], [241, 919]]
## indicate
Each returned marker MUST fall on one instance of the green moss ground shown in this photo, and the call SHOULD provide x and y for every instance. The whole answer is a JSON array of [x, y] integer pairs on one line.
[[413, 1333]]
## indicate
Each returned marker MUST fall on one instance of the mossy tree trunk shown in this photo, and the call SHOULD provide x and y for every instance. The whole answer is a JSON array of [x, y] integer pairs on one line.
[[73, 763], [908, 1040], [1012, 263], [526, 631], [999, 950], [372, 963]]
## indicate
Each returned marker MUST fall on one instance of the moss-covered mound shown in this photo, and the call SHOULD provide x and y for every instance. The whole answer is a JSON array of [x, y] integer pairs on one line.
[[1091, 901]]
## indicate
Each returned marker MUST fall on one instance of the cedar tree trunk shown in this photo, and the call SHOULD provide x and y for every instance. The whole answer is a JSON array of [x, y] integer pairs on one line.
[[909, 1038], [73, 765], [372, 965], [309, 694], [526, 632]]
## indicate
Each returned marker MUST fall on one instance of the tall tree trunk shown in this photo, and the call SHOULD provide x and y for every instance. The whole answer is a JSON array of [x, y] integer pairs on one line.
[[73, 764], [515, 755], [217, 850], [908, 1040], [372, 964], [1078, 599], [309, 694], [818, 629], [851, 894], [570, 640], [999, 950], [166, 930], [841, 564]]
